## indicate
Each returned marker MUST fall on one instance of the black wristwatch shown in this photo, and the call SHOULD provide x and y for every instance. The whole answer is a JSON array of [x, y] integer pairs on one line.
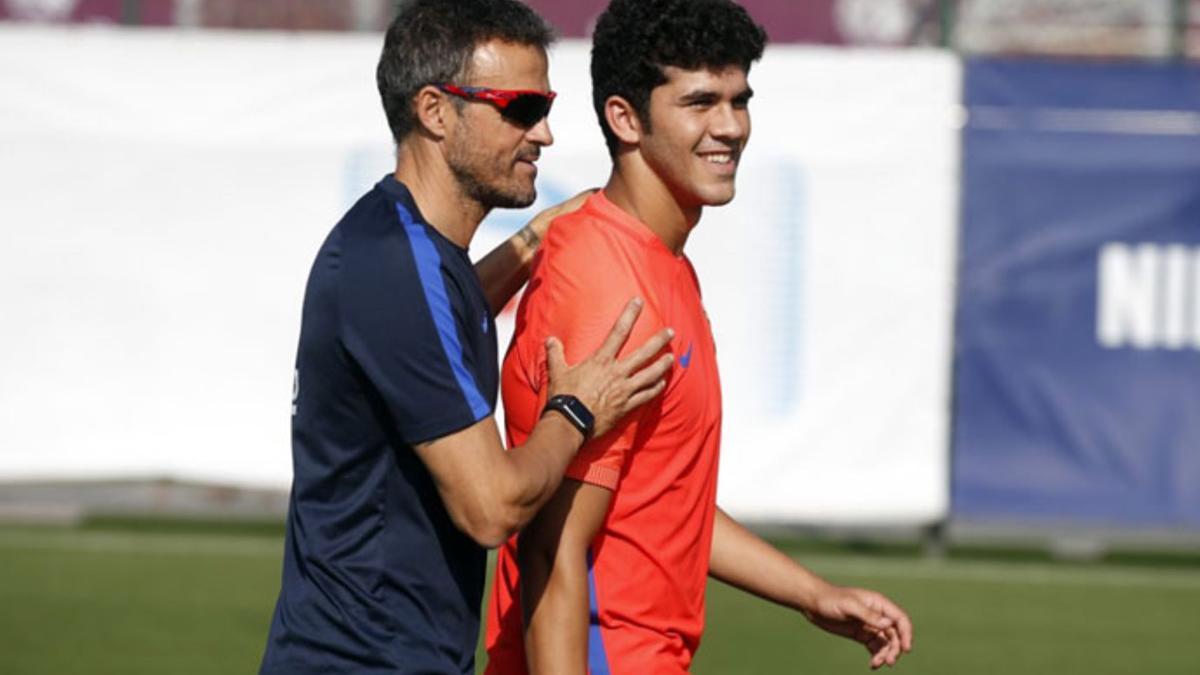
[[576, 413]]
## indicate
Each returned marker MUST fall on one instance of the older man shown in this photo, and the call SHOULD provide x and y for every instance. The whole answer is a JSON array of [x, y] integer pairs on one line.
[[400, 477]]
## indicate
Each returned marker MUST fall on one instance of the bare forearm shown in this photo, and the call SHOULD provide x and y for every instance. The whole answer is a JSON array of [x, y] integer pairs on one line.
[[534, 470], [555, 598], [504, 270], [553, 556], [491, 493], [743, 560]]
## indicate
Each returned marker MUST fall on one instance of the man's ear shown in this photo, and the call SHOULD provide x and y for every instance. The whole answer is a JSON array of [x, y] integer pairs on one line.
[[623, 120], [431, 108]]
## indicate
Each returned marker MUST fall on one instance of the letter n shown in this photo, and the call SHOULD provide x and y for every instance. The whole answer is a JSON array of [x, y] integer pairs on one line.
[[1127, 298]]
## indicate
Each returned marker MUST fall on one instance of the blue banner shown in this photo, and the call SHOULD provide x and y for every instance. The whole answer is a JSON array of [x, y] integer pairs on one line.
[[1077, 366]]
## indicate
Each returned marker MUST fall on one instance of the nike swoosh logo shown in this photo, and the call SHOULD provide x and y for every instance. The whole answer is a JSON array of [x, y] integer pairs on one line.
[[686, 359]]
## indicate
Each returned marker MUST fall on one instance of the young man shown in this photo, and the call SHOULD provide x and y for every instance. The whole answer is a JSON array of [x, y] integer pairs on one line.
[[610, 576], [400, 478]]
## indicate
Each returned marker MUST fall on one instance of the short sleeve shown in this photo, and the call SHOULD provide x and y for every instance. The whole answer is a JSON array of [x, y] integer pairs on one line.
[[578, 301], [409, 325]]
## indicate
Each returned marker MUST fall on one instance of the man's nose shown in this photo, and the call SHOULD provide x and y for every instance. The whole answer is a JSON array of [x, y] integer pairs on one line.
[[540, 133], [729, 124]]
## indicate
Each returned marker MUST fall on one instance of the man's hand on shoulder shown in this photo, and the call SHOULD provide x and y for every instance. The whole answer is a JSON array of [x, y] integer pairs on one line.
[[533, 233], [489, 493], [610, 387], [504, 270]]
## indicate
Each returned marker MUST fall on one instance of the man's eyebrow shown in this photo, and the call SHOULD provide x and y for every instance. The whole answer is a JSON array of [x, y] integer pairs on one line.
[[699, 96], [709, 95]]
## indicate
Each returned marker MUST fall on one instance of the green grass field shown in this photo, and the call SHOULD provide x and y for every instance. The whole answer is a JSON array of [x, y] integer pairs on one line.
[[161, 600]]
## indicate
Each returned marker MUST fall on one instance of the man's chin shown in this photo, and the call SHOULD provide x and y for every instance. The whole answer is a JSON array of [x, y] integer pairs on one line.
[[511, 201], [720, 198], [496, 198]]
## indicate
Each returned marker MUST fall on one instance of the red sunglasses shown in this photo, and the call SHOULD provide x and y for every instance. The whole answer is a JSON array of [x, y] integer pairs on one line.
[[525, 107]]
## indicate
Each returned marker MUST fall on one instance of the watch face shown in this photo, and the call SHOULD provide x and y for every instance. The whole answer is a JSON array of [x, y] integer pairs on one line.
[[575, 411], [580, 409]]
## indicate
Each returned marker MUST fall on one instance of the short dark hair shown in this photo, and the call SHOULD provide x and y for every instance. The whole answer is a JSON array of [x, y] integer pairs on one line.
[[432, 41], [635, 39]]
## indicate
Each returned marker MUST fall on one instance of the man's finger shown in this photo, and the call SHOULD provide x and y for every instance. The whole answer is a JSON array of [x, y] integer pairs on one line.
[[875, 644], [647, 351], [577, 201], [904, 628], [620, 331], [568, 206], [644, 395], [871, 618], [556, 361], [892, 651], [651, 373], [900, 620], [877, 647], [541, 222], [883, 649]]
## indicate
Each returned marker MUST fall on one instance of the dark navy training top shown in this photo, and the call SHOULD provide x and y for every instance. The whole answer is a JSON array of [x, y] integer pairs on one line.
[[397, 346]]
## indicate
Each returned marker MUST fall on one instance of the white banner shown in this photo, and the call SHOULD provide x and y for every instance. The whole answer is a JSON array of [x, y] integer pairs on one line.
[[165, 192]]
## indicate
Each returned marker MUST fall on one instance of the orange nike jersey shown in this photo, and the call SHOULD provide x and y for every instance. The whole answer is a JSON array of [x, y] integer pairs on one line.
[[649, 561]]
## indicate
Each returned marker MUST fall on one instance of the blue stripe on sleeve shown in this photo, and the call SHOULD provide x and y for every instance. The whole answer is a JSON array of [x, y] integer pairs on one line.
[[429, 270], [597, 657]]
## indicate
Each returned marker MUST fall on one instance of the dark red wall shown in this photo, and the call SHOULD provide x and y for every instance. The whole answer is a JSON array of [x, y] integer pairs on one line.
[[786, 20]]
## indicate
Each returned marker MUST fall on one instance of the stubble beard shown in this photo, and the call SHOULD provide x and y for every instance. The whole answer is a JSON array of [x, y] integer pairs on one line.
[[491, 196], [465, 165]]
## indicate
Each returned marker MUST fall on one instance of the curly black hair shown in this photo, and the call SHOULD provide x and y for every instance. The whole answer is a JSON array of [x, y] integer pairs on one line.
[[634, 39], [432, 41]]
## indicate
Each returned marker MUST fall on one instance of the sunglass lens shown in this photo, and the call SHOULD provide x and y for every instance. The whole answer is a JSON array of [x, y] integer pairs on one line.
[[527, 109]]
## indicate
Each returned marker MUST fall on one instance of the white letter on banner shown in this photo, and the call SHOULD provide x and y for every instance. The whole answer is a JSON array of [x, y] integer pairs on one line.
[[1127, 298], [1196, 298], [1173, 313]]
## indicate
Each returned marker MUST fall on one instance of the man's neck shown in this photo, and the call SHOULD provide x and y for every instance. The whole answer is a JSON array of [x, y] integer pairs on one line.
[[439, 197], [636, 189]]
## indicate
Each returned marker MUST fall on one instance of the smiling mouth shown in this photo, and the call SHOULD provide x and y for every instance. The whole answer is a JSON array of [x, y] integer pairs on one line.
[[725, 161]]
